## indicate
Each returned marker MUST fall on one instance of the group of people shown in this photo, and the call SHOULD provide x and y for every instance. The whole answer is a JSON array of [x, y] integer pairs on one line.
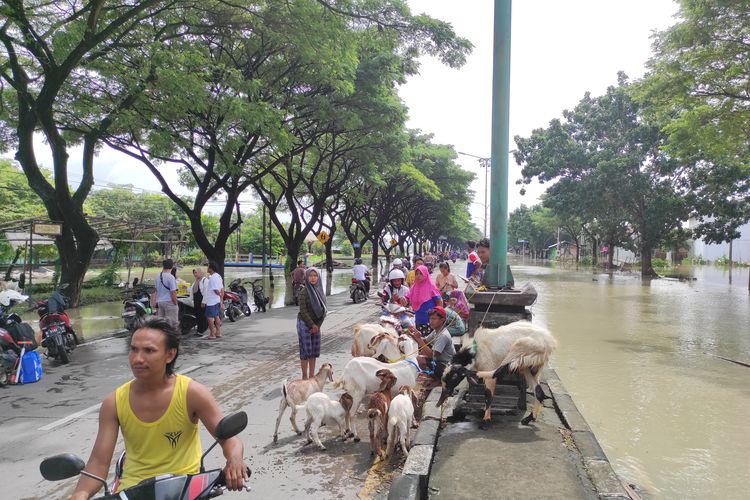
[[207, 292]]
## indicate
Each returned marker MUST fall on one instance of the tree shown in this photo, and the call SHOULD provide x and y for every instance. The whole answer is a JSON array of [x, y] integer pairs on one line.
[[18, 200], [698, 89], [615, 160], [133, 217], [49, 50]]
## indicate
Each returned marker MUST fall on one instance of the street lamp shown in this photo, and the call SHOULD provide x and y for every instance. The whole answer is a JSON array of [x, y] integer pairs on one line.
[[485, 164]]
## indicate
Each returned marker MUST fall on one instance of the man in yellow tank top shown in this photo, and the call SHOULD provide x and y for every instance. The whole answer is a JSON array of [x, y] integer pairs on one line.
[[158, 413]]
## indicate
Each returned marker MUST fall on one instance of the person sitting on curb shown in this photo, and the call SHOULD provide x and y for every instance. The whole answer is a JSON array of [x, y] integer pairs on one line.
[[437, 348]]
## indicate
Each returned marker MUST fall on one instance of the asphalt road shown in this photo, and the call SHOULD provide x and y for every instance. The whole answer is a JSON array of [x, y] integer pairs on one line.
[[244, 371]]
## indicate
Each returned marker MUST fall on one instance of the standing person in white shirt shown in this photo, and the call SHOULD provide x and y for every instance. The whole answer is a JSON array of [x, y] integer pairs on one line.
[[214, 301], [360, 273], [166, 294]]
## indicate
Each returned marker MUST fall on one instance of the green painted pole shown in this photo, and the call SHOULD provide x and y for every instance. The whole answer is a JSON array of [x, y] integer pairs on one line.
[[497, 275]]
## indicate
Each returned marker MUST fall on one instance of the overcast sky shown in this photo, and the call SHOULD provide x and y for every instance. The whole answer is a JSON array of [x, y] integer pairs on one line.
[[560, 50]]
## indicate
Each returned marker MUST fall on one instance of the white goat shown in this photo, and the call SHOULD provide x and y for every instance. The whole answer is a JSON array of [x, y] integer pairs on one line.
[[321, 409], [400, 418], [363, 335], [359, 378], [297, 392], [519, 347]]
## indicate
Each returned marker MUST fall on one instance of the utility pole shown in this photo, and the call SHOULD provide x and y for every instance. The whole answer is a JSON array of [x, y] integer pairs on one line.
[[497, 274], [484, 163]]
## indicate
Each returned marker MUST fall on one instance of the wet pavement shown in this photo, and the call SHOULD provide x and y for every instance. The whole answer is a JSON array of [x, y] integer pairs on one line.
[[244, 371]]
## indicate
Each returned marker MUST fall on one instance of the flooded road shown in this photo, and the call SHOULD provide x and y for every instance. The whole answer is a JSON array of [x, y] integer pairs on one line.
[[640, 360]]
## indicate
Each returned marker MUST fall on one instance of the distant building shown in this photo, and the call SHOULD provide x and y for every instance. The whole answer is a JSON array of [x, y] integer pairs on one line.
[[712, 252]]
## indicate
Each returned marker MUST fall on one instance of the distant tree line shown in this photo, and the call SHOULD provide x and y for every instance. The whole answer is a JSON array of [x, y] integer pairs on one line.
[[630, 167]]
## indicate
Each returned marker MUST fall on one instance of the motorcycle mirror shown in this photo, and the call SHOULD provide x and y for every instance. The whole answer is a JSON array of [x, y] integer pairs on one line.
[[61, 467], [231, 425], [228, 427]]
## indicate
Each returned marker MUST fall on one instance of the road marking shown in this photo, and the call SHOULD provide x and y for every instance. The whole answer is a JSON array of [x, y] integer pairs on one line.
[[91, 409], [70, 418]]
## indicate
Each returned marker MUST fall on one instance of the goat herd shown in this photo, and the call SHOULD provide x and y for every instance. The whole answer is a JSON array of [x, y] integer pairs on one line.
[[488, 354]]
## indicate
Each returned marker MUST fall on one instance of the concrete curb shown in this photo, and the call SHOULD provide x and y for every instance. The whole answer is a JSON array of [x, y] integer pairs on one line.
[[598, 467]]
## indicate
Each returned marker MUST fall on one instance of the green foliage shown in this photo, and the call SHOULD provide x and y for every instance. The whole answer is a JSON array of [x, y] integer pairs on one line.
[[109, 276], [18, 200], [661, 263], [347, 249], [193, 257], [586, 261], [698, 90], [318, 248], [610, 170]]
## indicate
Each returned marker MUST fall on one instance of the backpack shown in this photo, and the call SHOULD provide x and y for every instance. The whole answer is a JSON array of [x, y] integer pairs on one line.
[[22, 331]]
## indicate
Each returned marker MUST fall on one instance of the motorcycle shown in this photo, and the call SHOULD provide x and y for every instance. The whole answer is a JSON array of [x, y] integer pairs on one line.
[[203, 485], [237, 288], [58, 336], [358, 290], [13, 332], [187, 315], [232, 306], [259, 296], [136, 308]]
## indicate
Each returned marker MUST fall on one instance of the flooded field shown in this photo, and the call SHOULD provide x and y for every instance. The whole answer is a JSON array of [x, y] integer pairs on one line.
[[642, 360]]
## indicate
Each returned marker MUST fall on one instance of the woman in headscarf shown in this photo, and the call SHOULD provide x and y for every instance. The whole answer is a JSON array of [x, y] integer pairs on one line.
[[457, 301], [200, 287], [312, 312], [423, 296]]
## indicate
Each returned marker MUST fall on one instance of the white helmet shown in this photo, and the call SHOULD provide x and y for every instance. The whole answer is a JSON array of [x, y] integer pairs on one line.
[[398, 262], [396, 274]]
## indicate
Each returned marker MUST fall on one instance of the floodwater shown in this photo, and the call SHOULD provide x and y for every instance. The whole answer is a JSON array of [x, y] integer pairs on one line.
[[639, 358], [102, 319]]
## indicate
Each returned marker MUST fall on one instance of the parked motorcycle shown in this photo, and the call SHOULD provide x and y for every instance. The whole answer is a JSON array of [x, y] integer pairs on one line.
[[232, 306], [200, 486], [236, 287], [12, 332], [58, 336], [136, 308], [187, 315], [259, 296]]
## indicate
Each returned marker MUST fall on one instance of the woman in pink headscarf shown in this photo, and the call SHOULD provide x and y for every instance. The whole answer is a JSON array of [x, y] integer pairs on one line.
[[423, 296]]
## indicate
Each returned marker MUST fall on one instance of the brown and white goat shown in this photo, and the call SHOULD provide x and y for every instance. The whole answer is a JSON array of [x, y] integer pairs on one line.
[[377, 411], [296, 393], [519, 347], [321, 409], [400, 419]]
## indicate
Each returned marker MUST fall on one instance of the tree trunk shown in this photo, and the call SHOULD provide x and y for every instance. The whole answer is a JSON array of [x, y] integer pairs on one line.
[[292, 254], [647, 269], [19, 251], [610, 256], [594, 252], [329, 265], [374, 261]]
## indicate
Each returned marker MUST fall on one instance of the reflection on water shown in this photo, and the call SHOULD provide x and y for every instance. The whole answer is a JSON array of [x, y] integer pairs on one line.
[[104, 318], [638, 357]]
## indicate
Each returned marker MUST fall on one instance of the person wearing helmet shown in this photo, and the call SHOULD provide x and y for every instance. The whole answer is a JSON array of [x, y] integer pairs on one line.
[[395, 290], [361, 273], [397, 264]]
